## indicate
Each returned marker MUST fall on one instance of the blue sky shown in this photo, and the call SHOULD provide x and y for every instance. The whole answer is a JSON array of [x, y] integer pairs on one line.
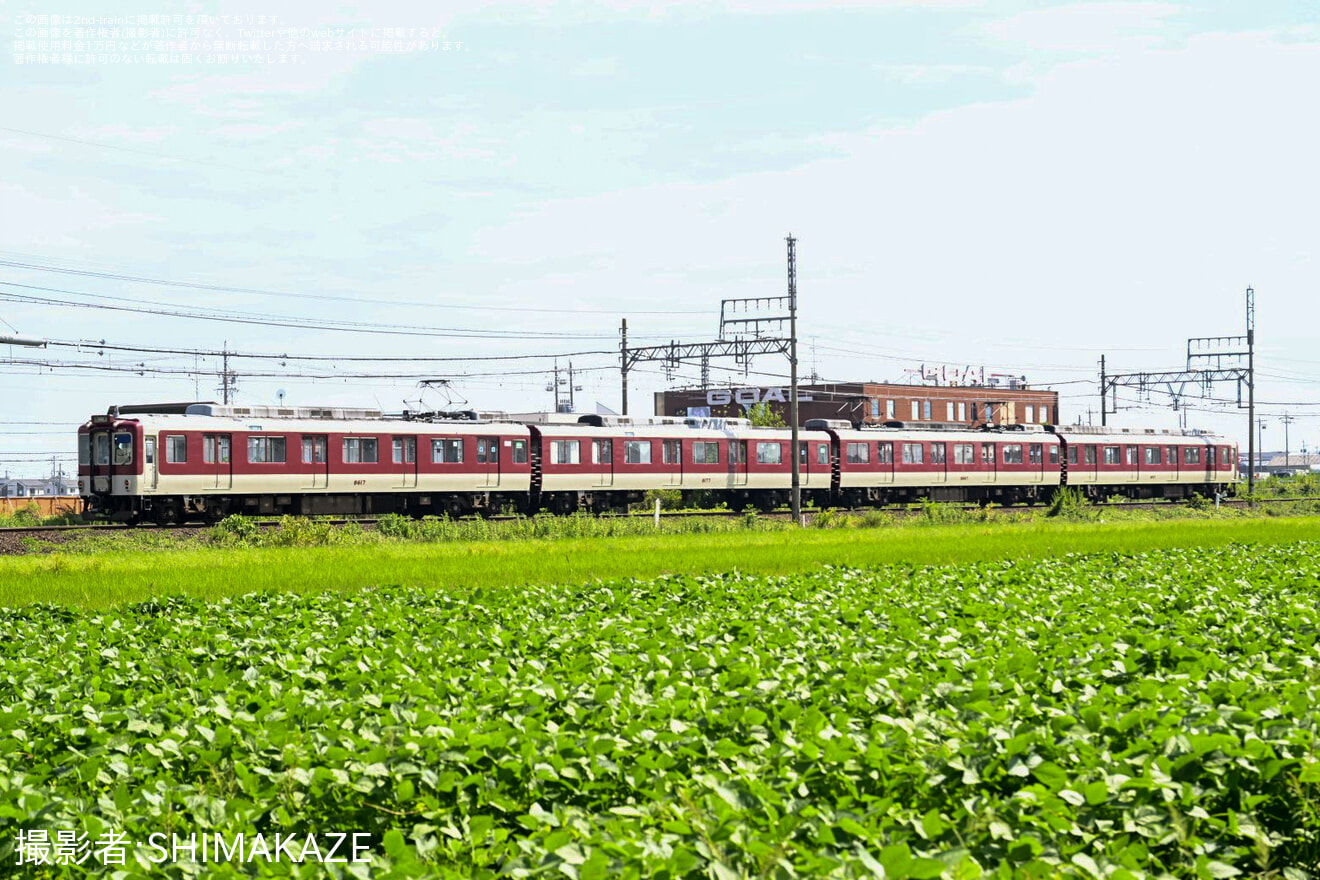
[[1022, 186]]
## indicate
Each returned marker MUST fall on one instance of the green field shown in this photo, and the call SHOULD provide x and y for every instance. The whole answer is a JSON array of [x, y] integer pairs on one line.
[[106, 578], [1115, 715]]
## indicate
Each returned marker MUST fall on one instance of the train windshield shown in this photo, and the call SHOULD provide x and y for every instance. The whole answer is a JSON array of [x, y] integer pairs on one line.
[[84, 449], [101, 446], [123, 448]]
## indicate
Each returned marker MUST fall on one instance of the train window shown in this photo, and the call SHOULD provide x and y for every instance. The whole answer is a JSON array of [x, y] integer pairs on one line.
[[1036, 453], [912, 453], [964, 453], [84, 449], [737, 452], [637, 452], [769, 453], [1054, 455], [215, 449], [802, 452], [1171, 455], [1012, 453], [822, 453], [566, 451], [176, 449], [149, 450], [602, 452], [1090, 453], [705, 452], [1131, 454], [488, 450], [1192, 455], [266, 450], [1225, 455], [859, 453], [1072, 455], [362, 450], [519, 452], [671, 451], [987, 453], [1153, 455], [884, 452], [1111, 455], [447, 451], [123, 448], [937, 453], [313, 450], [405, 450]]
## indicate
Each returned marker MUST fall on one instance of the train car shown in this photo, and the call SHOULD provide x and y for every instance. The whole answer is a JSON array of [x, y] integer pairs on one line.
[[173, 462], [899, 463], [608, 463], [1146, 462]]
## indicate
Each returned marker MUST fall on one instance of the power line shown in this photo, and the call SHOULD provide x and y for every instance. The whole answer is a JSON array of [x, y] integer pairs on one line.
[[372, 301], [164, 310], [190, 352]]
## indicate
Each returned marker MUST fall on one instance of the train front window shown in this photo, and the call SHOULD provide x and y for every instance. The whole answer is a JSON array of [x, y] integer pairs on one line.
[[123, 448], [84, 449]]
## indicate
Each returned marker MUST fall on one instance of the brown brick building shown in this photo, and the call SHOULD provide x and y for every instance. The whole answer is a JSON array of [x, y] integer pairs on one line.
[[1005, 403]]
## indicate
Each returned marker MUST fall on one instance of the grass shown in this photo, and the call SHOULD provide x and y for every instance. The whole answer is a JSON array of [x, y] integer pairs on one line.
[[102, 580]]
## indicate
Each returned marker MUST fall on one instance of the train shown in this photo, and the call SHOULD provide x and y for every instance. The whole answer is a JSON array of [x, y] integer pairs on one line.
[[177, 462]]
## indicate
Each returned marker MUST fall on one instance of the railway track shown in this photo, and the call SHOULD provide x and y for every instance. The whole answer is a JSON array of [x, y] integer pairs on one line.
[[907, 509]]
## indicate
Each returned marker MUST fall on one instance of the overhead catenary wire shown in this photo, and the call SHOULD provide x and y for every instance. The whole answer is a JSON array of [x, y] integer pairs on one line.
[[327, 297]]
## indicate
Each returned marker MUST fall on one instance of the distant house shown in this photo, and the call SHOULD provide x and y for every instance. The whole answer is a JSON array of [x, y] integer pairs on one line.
[[37, 487]]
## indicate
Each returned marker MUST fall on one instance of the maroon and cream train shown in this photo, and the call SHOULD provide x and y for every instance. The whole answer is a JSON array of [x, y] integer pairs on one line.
[[173, 462]]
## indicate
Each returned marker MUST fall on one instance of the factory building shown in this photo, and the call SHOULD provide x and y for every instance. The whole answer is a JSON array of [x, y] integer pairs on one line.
[[1001, 401]]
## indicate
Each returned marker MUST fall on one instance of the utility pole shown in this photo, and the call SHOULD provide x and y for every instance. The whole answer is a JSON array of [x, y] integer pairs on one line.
[[623, 363], [1287, 420], [1103, 408], [1251, 388], [228, 381], [796, 490]]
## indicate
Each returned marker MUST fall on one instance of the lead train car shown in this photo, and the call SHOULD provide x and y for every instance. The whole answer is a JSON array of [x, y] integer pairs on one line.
[[206, 461]]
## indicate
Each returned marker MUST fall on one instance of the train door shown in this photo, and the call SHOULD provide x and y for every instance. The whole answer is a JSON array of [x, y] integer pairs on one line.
[[884, 460], [1036, 462], [315, 461], [939, 453], [215, 454], [405, 462], [671, 456], [488, 460], [149, 463], [737, 463], [602, 460], [100, 444]]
